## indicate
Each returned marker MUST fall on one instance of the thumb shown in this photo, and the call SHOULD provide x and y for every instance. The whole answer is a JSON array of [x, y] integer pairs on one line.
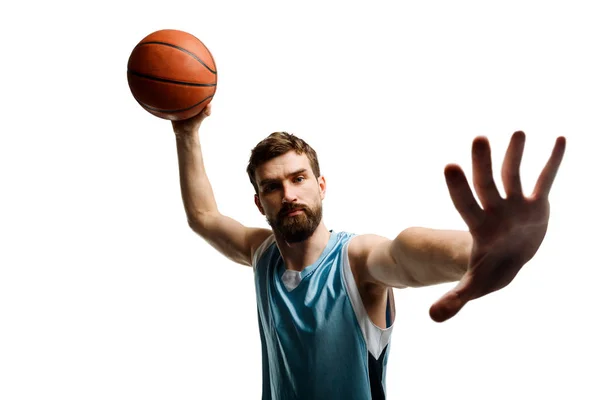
[[446, 307], [191, 124], [198, 118], [452, 302]]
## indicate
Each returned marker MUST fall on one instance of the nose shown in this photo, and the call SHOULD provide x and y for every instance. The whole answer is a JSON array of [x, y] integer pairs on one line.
[[289, 195]]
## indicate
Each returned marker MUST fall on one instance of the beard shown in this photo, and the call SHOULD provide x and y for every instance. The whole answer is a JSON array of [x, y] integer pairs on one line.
[[296, 228]]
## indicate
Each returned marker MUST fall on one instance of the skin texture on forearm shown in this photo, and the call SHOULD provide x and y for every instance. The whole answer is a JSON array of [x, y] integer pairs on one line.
[[421, 257], [196, 190], [433, 256]]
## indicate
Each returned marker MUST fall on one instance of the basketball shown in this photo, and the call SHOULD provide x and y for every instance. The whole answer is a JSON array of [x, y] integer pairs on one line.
[[172, 74]]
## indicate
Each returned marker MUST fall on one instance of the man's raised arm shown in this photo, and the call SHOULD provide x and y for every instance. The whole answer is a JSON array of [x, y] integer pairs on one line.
[[228, 236]]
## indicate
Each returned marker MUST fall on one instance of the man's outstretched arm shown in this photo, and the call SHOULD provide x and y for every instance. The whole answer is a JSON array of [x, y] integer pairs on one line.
[[504, 233], [417, 257]]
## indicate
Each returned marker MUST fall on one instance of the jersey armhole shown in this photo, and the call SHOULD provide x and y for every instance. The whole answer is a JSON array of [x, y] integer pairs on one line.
[[261, 249], [376, 338]]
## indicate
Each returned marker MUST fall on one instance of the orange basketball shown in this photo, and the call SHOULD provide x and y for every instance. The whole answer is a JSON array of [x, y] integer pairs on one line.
[[172, 74]]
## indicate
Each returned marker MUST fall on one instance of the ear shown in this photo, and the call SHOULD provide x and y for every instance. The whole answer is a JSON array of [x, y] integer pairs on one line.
[[257, 202], [322, 186]]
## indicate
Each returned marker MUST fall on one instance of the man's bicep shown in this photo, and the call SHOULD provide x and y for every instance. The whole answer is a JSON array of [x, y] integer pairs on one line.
[[231, 238]]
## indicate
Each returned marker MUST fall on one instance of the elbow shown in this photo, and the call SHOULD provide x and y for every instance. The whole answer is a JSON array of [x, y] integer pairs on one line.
[[193, 223], [413, 258], [198, 221], [395, 269]]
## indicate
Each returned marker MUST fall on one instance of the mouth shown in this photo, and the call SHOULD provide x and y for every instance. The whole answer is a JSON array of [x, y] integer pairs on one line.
[[294, 212], [291, 213]]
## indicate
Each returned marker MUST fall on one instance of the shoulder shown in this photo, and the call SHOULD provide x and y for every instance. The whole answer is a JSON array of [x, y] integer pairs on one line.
[[360, 246]]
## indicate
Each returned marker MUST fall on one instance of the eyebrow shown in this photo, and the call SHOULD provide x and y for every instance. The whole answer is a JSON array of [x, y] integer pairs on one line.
[[271, 180]]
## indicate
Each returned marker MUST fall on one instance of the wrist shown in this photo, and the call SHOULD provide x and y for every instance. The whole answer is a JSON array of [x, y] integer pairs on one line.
[[462, 256], [187, 128], [183, 134]]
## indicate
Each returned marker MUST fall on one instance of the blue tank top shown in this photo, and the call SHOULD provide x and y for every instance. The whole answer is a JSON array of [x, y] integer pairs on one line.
[[317, 339]]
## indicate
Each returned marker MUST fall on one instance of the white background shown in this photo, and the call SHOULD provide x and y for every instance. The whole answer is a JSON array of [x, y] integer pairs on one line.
[[105, 293]]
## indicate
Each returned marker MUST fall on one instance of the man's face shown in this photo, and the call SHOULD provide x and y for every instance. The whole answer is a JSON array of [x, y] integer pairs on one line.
[[290, 196]]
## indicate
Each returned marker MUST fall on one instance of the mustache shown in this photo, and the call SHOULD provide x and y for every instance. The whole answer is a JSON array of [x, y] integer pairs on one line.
[[291, 207]]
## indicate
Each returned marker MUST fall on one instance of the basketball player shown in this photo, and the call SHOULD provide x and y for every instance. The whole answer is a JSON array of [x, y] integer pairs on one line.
[[325, 299]]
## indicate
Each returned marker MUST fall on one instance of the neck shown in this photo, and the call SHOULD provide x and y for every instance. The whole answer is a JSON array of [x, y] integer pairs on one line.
[[298, 256]]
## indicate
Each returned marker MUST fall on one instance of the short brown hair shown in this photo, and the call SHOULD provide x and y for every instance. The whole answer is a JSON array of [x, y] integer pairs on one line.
[[276, 144]]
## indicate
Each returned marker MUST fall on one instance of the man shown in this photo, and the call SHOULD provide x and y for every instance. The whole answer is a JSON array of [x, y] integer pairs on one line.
[[325, 299]]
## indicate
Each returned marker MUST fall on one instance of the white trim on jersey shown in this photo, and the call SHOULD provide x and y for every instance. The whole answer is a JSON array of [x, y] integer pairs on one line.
[[375, 337], [261, 249]]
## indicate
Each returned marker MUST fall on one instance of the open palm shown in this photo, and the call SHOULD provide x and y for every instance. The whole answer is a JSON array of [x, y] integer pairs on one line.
[[507, 232]]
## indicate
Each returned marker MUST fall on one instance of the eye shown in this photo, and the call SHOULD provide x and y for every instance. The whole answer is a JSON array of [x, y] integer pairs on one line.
[[269, 188], [299, 179]]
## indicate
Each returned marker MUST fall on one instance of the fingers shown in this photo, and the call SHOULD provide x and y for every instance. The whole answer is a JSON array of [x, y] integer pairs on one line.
[[483, 177], [462, 196], [546, 178], [511, 177]]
